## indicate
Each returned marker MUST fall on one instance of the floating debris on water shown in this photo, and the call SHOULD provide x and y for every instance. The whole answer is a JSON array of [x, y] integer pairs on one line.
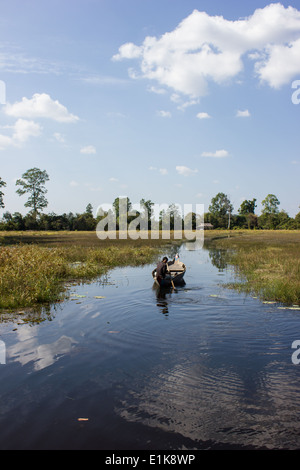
[[96, 315], [289, 308]]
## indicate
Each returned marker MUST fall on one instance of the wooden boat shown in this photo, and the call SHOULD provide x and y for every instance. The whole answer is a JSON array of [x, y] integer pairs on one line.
[[176, 272]]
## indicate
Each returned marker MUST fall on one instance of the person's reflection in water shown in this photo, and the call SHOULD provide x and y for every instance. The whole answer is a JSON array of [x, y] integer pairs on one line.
[[162, 302]]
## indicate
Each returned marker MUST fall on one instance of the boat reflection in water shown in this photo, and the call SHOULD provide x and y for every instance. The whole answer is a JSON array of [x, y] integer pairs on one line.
[[162, 294]]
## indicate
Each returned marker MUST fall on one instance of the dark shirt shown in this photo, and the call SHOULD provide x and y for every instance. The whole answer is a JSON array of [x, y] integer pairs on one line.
[[161, 269]]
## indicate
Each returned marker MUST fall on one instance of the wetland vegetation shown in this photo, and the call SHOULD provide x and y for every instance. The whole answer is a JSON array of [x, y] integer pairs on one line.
[[267, 262], [35, 265]]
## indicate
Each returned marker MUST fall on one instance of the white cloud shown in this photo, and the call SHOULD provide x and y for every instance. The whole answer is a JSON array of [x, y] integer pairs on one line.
[[157, 91], [5, 141], [203, 48], [183, 104], [164, 114], [22, 131], [245, 113], [281, 65], [203, 116], [113, 180], [216, 154], [185, 171], [128, 51], [88, 150], [73, 184], [59, 137], [40, 106]]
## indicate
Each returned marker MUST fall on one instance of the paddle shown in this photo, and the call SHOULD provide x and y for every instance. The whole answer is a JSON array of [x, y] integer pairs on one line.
[[171, 277]]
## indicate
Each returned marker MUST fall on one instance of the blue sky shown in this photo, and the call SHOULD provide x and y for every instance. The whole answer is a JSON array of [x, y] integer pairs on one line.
[[168, 100]]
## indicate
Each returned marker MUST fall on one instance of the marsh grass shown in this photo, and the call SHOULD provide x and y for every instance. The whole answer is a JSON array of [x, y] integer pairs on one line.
[[34, 273], [34, 266], [267, 262]]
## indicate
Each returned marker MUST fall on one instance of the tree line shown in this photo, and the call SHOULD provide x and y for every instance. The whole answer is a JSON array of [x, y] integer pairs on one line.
[[220, 213]]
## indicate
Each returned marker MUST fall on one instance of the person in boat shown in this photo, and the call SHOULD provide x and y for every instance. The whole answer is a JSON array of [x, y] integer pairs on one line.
[[162, 269]]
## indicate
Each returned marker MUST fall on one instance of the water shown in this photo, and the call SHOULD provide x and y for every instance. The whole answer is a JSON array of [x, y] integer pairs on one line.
[[199, 368]]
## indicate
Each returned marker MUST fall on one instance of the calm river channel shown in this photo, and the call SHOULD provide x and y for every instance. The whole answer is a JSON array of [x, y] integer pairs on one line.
[[121, 365]]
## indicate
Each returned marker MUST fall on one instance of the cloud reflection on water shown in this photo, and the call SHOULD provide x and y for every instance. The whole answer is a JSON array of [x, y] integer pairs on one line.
[[216, 404], [28, 349]]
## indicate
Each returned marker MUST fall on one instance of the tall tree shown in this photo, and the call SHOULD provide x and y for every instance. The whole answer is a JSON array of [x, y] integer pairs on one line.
[[247, 207], [2, 184], [122, 207], [148, 208], [33, 182], [89, 209], [221, 209], [121, 204], [170, 218], [297, 219], [270, 204], [247, 210]]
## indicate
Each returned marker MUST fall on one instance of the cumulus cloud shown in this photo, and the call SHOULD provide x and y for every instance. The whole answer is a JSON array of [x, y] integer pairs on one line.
[[203, 48], [185, 171], [216, 154], [88, 150], [22, 130], [282, 65], [245, 113], [203, 116], [41, 105], [128, 51]]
